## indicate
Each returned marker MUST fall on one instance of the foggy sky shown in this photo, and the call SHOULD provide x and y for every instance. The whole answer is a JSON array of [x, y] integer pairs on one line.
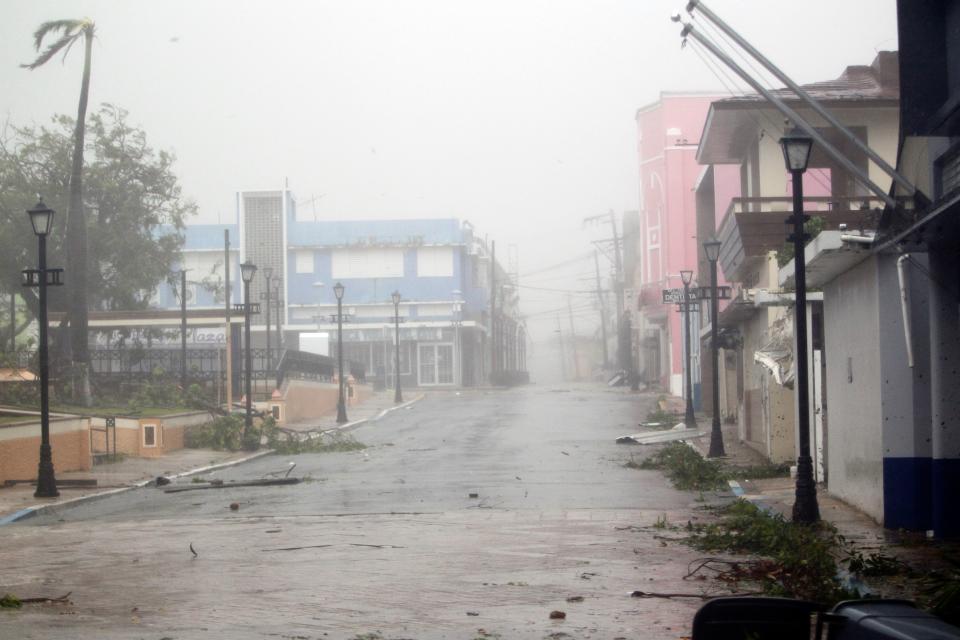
[[516, 115]]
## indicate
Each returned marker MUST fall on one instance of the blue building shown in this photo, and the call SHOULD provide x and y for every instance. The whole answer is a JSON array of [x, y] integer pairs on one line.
[[442, 269]]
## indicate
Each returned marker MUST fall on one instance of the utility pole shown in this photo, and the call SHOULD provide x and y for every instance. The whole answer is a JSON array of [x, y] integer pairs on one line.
[[227, 329], [623, 348], [563, 355], [493, 309], [603, 312], [573, 340]]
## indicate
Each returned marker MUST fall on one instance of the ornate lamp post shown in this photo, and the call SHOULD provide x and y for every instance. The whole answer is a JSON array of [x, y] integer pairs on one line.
[[341, 404], [397, 394], [41, 218], [796, 155], [712, 249], [247, 271], [268, 273], [689, 418]]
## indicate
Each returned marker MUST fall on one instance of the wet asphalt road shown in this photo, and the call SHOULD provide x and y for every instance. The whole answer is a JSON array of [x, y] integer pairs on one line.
[[382, 540]]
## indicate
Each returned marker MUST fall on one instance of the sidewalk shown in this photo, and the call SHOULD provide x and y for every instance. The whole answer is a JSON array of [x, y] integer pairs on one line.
[[377, 405], [18, 502]]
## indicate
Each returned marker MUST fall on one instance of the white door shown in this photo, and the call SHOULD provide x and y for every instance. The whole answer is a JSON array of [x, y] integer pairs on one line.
[[435, 364]]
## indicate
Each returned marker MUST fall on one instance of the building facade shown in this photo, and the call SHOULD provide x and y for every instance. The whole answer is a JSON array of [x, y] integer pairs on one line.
[[452, 330]]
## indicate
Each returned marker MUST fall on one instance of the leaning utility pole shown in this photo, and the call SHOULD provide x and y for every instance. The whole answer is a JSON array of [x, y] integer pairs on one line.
[[603, 312], [623, 349], [573, 340]]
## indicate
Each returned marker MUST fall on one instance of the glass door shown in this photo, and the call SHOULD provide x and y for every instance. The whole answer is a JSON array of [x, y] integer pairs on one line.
[[444, 364], [428, 364]]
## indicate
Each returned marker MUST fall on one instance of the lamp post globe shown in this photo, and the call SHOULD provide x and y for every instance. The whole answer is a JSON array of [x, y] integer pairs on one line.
[[689, 419], [341, 401], [397, 393], [796, 155], [711, 248], [247, 271], [41, 218]]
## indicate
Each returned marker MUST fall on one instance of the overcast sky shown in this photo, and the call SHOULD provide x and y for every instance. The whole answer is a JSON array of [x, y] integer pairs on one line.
[[516, 115]]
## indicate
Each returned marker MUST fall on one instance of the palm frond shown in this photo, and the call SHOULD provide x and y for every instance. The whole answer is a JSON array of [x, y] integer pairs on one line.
[[72, 31], [52, 26], [51, 51]]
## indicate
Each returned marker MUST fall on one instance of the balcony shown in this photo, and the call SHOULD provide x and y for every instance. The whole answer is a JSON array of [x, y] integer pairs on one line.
[[752, 227]]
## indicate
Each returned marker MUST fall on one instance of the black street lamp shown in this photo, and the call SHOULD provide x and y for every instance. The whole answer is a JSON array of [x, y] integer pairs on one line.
[[341, 404], [247, 271], [183, 330], [397, 394], [712, 249], [689, 419], [796, 154], [268, 273], [41, 218]]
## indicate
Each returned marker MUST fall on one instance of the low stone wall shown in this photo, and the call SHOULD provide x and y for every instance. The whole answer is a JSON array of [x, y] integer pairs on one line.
[[147, 437], [20, 447]]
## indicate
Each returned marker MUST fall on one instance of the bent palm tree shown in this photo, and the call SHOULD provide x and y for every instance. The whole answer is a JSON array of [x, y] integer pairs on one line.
[[75, 347]]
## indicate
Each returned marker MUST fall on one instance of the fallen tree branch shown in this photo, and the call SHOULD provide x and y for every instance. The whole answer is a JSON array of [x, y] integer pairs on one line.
[[64, 599], [270, 482]]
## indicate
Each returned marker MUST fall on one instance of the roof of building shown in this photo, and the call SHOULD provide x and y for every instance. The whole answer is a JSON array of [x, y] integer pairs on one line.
[[874, 85]]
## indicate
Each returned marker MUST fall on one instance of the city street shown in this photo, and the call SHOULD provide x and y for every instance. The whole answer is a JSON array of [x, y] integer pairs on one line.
[[386, 541]]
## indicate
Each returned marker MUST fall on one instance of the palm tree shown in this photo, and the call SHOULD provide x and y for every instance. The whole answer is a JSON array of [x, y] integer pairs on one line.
[[75, 347]]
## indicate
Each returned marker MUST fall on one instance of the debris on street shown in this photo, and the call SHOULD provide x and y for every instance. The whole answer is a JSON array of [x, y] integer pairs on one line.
[[558, 615], [219, 484]]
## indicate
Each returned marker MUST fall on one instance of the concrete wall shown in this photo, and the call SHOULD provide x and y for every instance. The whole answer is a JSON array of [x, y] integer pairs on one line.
[[20, 447], [855, 379]]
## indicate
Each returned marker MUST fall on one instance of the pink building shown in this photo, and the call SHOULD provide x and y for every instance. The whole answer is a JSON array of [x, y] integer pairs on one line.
[[668, 135]]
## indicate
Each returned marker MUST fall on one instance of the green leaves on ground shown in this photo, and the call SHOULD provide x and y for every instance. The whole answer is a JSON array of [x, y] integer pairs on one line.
[[10, 602], [804, 557], [686, 468], [689, 471]]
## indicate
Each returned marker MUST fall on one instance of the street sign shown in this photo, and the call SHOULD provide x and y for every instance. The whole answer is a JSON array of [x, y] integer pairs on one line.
[[724, 293], [675, 296], [241, 307], [31, 277], [690, 306]]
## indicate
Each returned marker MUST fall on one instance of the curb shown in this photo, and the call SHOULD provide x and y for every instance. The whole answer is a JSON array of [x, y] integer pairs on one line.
[[37, 509], [350, 426]]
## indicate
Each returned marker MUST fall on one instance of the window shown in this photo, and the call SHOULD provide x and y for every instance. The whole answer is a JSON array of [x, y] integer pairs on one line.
[[435, 262], [149, 435], [304, 261], [367, 263]]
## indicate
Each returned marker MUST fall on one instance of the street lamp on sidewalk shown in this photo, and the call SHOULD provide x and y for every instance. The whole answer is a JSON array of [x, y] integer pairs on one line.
[[341, 404], [712, 249], [796, 154], [247, 271], [689, 419], [41, 218], [397, 393]]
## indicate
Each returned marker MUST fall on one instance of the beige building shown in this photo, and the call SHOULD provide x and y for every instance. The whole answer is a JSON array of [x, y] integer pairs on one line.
[[755, 328]]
